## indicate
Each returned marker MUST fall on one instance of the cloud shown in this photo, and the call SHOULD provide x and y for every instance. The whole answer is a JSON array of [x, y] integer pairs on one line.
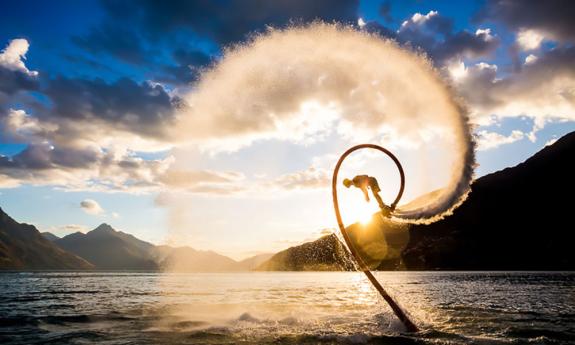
[[311, 178], [14, 74], [530, 59], [136, 32], [91, 207], [434, 34], [552, 19], [489, 140], [529, 39], [64, 230], [21, 127], [120, 42], [203, 181], [82, 168], [146, 108], [551, 141], [84, 137], [227, 22], [13, 56], [71, 228], [543, 89]]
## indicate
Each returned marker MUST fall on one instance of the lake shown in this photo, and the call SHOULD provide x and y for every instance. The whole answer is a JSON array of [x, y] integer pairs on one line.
[[285, 308]]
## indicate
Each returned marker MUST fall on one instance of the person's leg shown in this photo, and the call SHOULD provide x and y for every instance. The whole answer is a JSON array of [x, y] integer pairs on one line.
[[385, 210]]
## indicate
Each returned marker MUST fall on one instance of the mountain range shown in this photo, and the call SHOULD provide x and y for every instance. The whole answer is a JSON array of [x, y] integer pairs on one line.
[[514, 219], [22, 246]]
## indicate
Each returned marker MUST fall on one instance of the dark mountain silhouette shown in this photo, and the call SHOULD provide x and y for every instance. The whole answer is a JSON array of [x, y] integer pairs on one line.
[[514, 219], [23, 247], [109, 249], [324, 254], [50, 236]]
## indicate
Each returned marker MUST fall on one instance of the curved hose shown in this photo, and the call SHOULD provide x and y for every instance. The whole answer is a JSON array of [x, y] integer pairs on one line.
[[409, 325]]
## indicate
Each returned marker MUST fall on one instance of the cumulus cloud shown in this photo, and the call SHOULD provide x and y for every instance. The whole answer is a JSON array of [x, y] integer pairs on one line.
[[146, 108], [489, 140], [13, 56], [14, 74], [81, 168], [21, 127], [543, 86], [85, 137], [529, 39], [543, 89], [530, 59], [91, 207], [552, 19], [434, 34], [311, 178]]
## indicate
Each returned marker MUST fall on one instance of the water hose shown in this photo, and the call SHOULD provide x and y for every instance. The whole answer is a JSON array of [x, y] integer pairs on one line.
[[401, 315]]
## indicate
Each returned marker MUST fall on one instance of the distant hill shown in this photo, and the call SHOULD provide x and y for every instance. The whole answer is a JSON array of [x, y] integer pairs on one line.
[[186, 259], [109, 249], [324, 254], [50, 236], [515, 219], [253, 262], [23, 247]]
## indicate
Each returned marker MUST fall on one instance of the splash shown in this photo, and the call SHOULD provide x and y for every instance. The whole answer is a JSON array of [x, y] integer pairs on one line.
[[364, 88]]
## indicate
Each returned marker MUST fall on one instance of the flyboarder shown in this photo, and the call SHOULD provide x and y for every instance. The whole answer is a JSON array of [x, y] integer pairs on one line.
[[364, 182]]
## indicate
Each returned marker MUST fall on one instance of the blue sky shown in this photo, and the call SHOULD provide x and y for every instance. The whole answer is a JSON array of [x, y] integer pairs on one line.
[[89, 90]]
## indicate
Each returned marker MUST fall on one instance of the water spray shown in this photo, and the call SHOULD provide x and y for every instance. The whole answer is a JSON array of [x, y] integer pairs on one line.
[[401, 315]]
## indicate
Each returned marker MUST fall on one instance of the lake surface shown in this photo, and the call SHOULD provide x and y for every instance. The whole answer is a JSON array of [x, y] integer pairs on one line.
[[285, 308]]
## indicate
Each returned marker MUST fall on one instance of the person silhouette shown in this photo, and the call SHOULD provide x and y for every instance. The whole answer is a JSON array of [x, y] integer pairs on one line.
[[365, 182]]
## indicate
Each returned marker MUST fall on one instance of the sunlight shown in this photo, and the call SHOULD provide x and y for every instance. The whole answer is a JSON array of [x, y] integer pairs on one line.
[[361, 212]]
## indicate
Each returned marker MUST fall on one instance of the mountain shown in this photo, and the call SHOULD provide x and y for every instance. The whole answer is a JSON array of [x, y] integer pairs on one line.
[[324, 254], [23, 247], [186, 259], [109, 249], [50, 236], [253, 262], [514, 219]]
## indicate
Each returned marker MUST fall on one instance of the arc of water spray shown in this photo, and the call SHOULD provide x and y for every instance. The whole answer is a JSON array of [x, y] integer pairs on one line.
[[401, 315]]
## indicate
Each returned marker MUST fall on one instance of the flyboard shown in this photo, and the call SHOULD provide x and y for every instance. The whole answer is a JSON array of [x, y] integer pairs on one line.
[[401, 315]]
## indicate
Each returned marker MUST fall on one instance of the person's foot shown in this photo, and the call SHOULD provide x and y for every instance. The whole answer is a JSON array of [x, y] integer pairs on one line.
[[386, 211]]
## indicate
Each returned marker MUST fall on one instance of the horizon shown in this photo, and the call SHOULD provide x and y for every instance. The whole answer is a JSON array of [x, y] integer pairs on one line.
[[96, 126], [322, 232]]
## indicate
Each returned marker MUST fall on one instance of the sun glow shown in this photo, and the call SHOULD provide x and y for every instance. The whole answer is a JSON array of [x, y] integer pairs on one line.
[[361, 212]]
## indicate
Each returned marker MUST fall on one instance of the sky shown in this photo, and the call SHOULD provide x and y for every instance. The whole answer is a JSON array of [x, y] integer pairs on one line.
[[91, 91]]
